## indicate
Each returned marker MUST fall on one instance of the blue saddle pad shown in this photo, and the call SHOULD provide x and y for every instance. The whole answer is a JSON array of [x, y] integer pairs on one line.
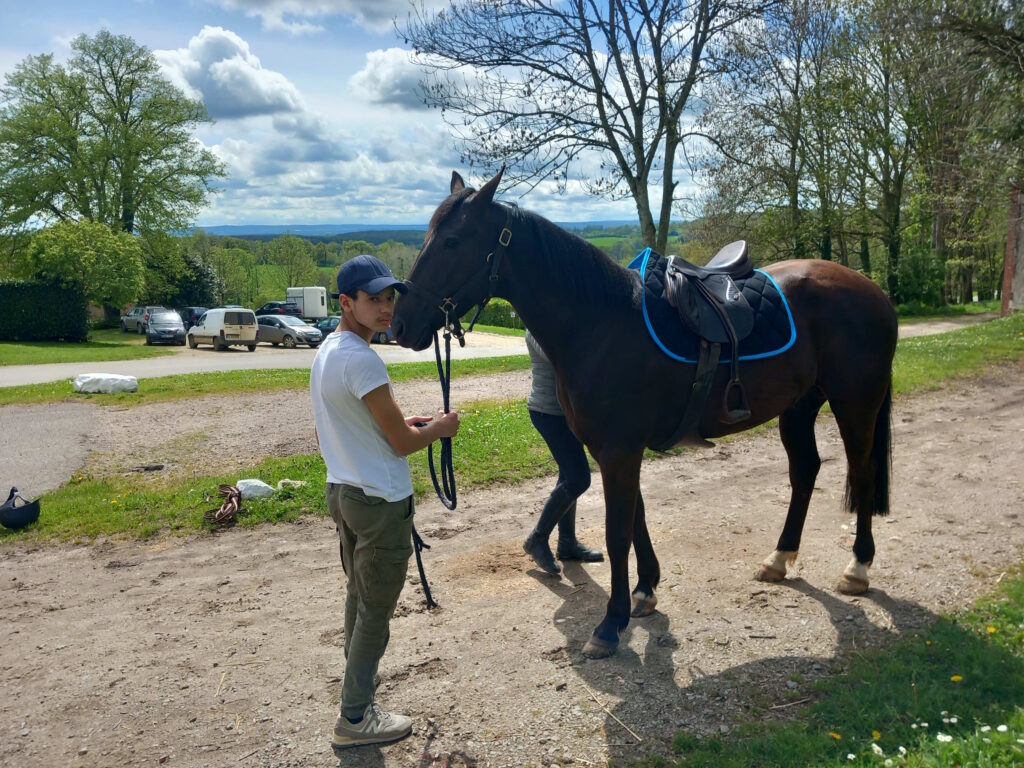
[[774, 331]]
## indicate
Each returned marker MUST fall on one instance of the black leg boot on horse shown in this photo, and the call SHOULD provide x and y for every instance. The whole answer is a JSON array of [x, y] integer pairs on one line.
[[571, 548], [536, 544]]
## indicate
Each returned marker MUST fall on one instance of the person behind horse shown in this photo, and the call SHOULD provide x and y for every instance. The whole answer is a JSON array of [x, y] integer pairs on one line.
[[573, 471], [364, 440]]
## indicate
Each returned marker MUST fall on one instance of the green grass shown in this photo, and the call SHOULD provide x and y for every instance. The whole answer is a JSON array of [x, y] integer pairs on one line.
[[222, 382], [925, 362], [962, 678], [605, 241], [500, 330], [103, 345]]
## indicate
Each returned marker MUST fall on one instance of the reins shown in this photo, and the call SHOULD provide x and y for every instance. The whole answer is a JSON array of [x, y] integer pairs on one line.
[[449, 305]]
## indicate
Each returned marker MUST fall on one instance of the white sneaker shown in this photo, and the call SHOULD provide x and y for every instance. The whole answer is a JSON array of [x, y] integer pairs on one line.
[[376, 727]]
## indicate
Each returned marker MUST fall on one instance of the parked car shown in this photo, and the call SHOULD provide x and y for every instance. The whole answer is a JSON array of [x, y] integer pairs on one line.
[[165, 328], [328, 324], [190, 315], [279, 308], [137, 318], [287, 330], [224, 328]]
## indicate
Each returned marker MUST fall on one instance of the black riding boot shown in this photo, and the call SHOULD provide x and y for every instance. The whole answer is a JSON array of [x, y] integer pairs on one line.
[[571, 548], [536, 544]]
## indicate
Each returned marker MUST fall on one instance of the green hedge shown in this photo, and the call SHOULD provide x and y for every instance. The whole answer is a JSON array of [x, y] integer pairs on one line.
[[497, 312], [36, 311]]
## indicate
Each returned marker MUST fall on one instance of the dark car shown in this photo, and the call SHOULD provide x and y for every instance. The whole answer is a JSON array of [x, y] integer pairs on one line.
[[190, 315], [279, 308], [328, 324], [165, 327], [287, 330]]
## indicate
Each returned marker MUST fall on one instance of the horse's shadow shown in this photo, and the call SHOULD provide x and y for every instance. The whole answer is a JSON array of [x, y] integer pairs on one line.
[[638, 689]]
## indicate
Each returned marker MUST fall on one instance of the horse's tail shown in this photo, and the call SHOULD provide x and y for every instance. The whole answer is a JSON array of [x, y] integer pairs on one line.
[[881, 458]]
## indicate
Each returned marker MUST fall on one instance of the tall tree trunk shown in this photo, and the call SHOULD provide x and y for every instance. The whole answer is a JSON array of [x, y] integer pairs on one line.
[[865, 255], [826, 244], [1010, 301], [938, 243]]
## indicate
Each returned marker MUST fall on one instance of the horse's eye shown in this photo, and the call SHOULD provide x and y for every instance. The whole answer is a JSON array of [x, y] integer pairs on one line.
[[451, 242]]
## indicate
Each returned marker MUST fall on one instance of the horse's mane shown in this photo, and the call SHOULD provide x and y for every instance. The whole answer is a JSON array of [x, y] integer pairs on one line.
[[583, 269]]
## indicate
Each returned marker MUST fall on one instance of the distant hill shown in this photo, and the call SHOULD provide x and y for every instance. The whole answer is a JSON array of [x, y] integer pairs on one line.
[[266, 231]]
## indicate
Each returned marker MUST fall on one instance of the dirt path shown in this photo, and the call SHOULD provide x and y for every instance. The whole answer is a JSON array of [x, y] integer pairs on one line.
[[226, 650]]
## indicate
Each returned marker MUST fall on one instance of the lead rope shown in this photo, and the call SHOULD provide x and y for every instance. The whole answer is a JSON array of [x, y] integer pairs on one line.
[[447, 493]]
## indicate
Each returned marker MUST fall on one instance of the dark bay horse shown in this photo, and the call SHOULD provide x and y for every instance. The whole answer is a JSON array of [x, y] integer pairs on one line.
[[622, 394]]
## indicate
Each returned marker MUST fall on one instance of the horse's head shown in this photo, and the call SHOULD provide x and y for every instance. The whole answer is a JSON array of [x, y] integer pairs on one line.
[[452, 272]]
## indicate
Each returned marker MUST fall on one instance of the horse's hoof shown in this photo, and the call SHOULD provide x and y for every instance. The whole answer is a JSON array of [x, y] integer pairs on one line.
[[643, 604], [851, 585], [854, 580], [769, 573], [775, 566], [597, 648]]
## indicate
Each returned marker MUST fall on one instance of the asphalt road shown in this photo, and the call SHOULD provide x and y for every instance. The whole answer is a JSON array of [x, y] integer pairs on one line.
[[187, 360]]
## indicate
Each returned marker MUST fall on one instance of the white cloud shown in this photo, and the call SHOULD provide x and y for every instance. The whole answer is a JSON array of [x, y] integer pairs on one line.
[[303, 16], [219, 67], [390, 77]]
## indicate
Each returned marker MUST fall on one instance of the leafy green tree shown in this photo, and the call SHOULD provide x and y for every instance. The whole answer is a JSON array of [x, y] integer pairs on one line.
[[199, 285], [104, 138], [552, 88], [105, 266], [294, 256]]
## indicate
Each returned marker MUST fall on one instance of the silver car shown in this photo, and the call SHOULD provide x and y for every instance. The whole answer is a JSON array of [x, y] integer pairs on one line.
[[286, 330], [138, 317]]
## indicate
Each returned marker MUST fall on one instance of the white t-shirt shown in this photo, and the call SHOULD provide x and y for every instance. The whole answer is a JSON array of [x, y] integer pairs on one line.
[[353, 445]]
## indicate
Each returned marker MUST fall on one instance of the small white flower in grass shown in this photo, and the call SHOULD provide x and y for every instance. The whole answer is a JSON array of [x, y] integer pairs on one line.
[[953, 720], [1020, 741], [943, 737], [986, 728], [914, 726], [903, 751], [888, 763], [1002, 728], [945, 719], [850, 756], [876, 749], [924, 724], [987, 740]]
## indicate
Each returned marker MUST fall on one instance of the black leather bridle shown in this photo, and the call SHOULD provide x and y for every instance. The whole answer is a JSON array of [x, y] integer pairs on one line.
[[456, 304]]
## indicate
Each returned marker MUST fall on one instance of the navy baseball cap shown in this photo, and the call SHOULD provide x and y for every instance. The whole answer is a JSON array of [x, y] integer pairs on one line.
[[366, 273]]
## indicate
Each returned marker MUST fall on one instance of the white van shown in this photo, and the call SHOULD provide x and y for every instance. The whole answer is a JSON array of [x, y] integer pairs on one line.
[[311, 299], [225, 327]]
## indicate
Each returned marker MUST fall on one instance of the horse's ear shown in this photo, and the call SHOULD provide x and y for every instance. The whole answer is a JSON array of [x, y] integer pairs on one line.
[[457, 183], [486, 193]]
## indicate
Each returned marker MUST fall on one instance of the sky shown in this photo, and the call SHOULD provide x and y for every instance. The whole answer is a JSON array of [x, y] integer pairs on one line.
[[314, 104]]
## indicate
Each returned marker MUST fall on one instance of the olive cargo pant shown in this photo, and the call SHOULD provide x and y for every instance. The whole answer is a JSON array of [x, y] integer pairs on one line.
[[376, 544]]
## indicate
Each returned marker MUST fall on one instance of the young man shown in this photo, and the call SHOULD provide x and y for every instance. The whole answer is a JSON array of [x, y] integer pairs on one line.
[[364, 439]]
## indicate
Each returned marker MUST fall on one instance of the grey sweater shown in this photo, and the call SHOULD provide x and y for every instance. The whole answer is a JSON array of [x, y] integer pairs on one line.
[[543, 397]]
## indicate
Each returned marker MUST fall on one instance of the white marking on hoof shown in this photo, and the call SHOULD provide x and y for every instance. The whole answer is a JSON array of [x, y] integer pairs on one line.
[[854, 580], [643, 604], [774, 566]]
